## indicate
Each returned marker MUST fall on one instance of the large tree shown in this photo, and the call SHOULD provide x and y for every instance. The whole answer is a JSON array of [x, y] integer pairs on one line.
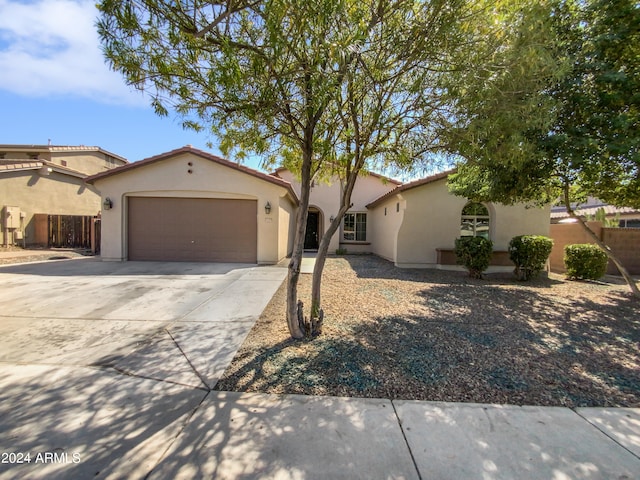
[[261, 75], [392, 111], [329, 87], [578, 134], [388, 110]]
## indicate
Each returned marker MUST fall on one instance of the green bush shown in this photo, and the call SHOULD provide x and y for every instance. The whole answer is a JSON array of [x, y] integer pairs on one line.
[[474, 253], [585, 261], [529, 253]]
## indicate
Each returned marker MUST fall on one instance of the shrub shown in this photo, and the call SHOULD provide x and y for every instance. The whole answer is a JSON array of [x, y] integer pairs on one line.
[[585, 261], [529, 253], [474, 253], [341, 251]]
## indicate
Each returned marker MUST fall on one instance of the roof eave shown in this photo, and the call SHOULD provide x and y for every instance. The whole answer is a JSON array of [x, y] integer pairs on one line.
[[408, 186], [205, 155]]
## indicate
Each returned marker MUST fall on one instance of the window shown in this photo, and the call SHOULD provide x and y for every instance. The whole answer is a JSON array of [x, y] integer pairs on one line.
[[475, 221], [354, 227], [630, 223]]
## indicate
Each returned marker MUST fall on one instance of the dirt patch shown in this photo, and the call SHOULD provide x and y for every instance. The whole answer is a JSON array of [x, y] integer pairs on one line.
[[441, 336], [10, 255]]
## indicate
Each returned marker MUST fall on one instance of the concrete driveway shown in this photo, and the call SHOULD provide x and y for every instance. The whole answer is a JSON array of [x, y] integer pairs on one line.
[[176, 322], [98, 359]]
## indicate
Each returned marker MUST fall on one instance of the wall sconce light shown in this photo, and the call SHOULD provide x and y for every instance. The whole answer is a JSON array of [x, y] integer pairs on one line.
[[331, 219], [267, 208], [108, 204]]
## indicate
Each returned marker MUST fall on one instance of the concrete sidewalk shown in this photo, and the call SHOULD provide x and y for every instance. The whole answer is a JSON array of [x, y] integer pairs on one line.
[[103, 425], [261, 436], [308, 262]]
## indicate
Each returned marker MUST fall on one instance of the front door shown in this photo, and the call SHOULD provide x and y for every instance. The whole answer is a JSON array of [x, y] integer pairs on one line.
[[312, 237]]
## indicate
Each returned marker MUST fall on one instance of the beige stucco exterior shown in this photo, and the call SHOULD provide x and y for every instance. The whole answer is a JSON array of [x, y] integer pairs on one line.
[[406, 224], [54, 193], [193, 174], [325, 197], [84, 159], [425, 218], [46, 179]]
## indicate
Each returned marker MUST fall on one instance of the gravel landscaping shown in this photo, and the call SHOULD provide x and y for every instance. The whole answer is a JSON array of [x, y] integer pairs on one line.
[[442, 336], [11, 255]]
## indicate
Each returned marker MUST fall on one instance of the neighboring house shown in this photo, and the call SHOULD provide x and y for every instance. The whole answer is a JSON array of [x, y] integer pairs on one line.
[[189, 205], [37, 181], [627, 217]]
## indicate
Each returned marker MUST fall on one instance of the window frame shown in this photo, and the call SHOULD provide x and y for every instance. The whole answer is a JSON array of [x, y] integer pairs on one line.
[[355, 228], [478, 224]]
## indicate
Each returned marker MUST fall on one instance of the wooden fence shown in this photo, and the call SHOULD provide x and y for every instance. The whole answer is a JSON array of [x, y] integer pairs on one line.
[[67, 231]]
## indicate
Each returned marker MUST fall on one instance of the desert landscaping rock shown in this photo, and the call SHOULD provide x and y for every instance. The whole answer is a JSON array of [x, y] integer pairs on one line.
[[440, 336]]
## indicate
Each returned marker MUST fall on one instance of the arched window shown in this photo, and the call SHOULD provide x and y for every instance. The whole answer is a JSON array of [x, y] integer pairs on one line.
[[474, 221]]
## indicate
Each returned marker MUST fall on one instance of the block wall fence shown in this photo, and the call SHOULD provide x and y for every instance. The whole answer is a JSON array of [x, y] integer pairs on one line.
[[624, 242]]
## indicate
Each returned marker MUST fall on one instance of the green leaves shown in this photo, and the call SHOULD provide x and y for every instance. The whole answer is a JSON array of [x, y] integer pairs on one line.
[[474, 253], [565, 110]]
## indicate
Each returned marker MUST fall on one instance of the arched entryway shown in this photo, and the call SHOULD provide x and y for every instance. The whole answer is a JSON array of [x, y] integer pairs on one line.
[[314, 229]]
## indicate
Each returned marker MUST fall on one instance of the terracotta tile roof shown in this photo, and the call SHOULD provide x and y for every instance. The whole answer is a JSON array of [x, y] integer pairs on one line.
[[7, 165], [84, 148], [13, 165], [201, 154], [373, 174], [57, 148], [410, 185], [561, 212]]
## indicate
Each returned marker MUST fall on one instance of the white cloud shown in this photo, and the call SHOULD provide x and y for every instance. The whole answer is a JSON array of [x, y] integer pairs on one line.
[[51, 47]]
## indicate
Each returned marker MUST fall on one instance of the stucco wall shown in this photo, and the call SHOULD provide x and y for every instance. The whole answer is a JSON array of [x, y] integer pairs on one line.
[[286, 226], [86, 162], [432, 220], [386, 220], [55, 194], [325, 196], [170, 177]]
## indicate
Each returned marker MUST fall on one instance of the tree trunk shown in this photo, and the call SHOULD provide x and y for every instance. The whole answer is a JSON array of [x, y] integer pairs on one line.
[[321, 257], [323, 248], [295, 328], [603, 246]]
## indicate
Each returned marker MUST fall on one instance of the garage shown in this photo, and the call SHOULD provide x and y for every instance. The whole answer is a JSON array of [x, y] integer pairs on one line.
[[192, 229], [187, 205]]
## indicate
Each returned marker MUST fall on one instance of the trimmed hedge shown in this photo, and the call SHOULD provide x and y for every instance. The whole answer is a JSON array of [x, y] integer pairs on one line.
[[474, 253], [529, 253], [585, 261]]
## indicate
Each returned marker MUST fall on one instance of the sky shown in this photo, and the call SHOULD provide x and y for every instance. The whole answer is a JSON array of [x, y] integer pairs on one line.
[[56, 86]]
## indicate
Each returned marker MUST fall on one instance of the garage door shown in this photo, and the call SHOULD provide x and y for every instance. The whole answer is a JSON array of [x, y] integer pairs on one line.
[[192, 229]]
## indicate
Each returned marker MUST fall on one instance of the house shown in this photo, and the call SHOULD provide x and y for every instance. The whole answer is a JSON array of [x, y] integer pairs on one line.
[[189, 205], [416, 224], [324, 203], [626, 217], [39, 181]]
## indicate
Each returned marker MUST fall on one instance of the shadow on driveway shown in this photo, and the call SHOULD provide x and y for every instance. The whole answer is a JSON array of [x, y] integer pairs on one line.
[[93, 266]]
